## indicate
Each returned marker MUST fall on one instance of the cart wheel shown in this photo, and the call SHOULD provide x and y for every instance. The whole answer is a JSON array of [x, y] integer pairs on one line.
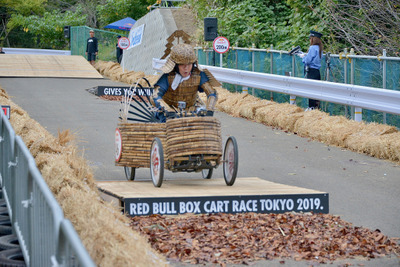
[[157, 162], [231, 160], [207, 173], [130, 173]]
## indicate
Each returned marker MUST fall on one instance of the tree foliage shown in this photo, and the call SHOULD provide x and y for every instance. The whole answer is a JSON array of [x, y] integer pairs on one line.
[[369, 26], [366, 25]]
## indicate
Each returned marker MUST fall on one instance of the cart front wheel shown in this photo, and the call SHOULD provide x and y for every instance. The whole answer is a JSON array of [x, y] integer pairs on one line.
[[157, 162], [130, 173], [231, 161], [207, 173]]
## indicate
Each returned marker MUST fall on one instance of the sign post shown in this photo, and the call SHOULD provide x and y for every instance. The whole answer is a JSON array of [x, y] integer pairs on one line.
[[221, 45], [123, 43]]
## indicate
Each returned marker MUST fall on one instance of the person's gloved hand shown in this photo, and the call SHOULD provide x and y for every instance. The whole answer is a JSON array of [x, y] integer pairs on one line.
[[210, 113]]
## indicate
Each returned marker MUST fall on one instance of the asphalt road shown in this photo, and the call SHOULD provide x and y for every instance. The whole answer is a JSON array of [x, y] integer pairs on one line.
[[362, 190]]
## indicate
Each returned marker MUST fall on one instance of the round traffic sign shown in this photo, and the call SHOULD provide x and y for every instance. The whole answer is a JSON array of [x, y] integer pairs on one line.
[[221, 44], [123, 42]]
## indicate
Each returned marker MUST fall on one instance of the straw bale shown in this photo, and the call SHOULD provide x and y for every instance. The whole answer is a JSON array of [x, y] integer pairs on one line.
[[105, 232], [248, 109], [135, 77], [231, 103], [110, 68], [223, 95], [248, 99], [278, 115], [152, 80], [377, 140], [308, 124]]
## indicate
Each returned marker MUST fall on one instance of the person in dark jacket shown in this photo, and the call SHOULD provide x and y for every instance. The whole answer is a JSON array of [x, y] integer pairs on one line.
[[1, 50], [91, 48], [312, 63], [119, 51]]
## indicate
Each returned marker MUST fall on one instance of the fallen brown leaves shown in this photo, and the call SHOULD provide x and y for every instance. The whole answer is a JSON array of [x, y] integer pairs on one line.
[[243, 238]]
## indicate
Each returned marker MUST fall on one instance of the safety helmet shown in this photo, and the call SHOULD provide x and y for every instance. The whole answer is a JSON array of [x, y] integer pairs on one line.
[[180, 54]]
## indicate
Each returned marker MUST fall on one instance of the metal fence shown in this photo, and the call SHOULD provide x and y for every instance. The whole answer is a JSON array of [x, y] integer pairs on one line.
[[45, 236], [371, 71]]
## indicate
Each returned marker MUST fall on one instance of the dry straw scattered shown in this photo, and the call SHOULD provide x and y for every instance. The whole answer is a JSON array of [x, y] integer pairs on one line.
[[104, 231]]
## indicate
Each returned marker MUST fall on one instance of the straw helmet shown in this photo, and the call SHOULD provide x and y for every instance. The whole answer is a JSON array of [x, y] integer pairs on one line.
[[180, 54]]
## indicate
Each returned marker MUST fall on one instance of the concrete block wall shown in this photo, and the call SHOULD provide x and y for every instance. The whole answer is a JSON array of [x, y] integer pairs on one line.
[[159, 24]]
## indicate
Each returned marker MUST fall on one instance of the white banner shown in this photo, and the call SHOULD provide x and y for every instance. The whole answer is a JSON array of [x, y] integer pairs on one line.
[[136, 36]]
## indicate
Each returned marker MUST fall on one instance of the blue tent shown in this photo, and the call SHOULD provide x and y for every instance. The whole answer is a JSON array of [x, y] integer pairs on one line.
[[123, 24]]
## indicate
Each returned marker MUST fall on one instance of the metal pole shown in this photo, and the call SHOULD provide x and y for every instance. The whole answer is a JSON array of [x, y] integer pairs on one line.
[[384, 80], [253, 64], [345, 76], [272, 71], [356, 112]]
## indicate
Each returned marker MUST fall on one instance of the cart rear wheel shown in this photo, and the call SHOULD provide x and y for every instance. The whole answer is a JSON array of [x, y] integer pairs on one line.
[[207, 173], [157, 162], [231, 160], [130, 173]]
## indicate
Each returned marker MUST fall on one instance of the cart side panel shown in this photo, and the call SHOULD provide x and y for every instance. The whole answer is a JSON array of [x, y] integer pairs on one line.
[[136, 142]]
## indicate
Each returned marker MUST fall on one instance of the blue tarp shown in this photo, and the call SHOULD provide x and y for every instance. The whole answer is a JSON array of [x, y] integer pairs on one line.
[[123, 24]]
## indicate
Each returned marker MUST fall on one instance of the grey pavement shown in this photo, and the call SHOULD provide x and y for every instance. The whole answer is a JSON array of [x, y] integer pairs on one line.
[[362, 190]]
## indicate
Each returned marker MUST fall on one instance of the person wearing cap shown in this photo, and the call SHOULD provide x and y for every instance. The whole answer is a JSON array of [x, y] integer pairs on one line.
[[119, 51], [181, 80], [91, 48], [312, 63]]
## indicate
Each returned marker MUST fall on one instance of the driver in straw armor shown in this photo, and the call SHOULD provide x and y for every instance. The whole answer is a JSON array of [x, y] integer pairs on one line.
[[181, 80]]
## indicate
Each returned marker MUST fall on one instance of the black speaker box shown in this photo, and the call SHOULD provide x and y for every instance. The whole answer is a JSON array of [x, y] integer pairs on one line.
[[67, 32], [210, 29]]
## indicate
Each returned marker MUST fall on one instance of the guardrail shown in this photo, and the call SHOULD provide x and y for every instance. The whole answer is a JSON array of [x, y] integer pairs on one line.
[[346, 94], [46, 238], [31, 51]]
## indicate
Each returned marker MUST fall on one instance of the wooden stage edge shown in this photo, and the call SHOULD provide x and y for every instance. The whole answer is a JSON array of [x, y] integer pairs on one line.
[[203, 196]]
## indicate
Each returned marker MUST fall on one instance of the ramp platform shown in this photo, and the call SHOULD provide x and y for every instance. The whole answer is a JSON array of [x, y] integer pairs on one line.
[[203, 196], [55, 66]]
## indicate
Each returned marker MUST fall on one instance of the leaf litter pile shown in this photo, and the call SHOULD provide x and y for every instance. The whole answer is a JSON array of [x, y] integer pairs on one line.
[[247, 237]]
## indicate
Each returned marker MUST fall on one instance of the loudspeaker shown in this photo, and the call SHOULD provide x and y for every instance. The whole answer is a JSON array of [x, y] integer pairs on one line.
[[67, 32], [210, 29]]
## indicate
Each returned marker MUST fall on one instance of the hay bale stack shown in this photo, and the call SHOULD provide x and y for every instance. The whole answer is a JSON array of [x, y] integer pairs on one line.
[[278, 115], [134, 77], [232, 102], [238, 107], [248, 109], [377, 140], [223, 95]]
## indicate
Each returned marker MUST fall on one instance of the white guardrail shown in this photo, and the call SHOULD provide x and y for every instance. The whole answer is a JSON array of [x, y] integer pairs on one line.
[[31, 51], [371, 98]]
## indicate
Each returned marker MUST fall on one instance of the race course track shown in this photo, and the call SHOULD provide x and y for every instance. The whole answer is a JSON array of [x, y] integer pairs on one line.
[[362, 190]]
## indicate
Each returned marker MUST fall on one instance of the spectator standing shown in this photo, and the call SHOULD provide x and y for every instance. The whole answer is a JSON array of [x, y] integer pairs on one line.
[[312, 63], [1, 50], [91, 48], [119, 51]]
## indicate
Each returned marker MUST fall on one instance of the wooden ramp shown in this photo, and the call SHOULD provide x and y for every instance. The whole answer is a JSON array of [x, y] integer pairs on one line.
[[55, 66], [213, 196]]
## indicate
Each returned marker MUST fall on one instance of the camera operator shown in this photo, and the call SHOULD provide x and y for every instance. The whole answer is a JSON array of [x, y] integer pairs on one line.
[[312, 63]]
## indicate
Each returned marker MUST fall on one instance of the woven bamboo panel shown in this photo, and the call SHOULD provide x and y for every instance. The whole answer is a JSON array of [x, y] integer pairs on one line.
[[193, 135], [136, 143]]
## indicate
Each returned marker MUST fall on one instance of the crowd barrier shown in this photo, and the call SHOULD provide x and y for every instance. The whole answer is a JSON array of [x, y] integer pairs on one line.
[[46, 238]]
